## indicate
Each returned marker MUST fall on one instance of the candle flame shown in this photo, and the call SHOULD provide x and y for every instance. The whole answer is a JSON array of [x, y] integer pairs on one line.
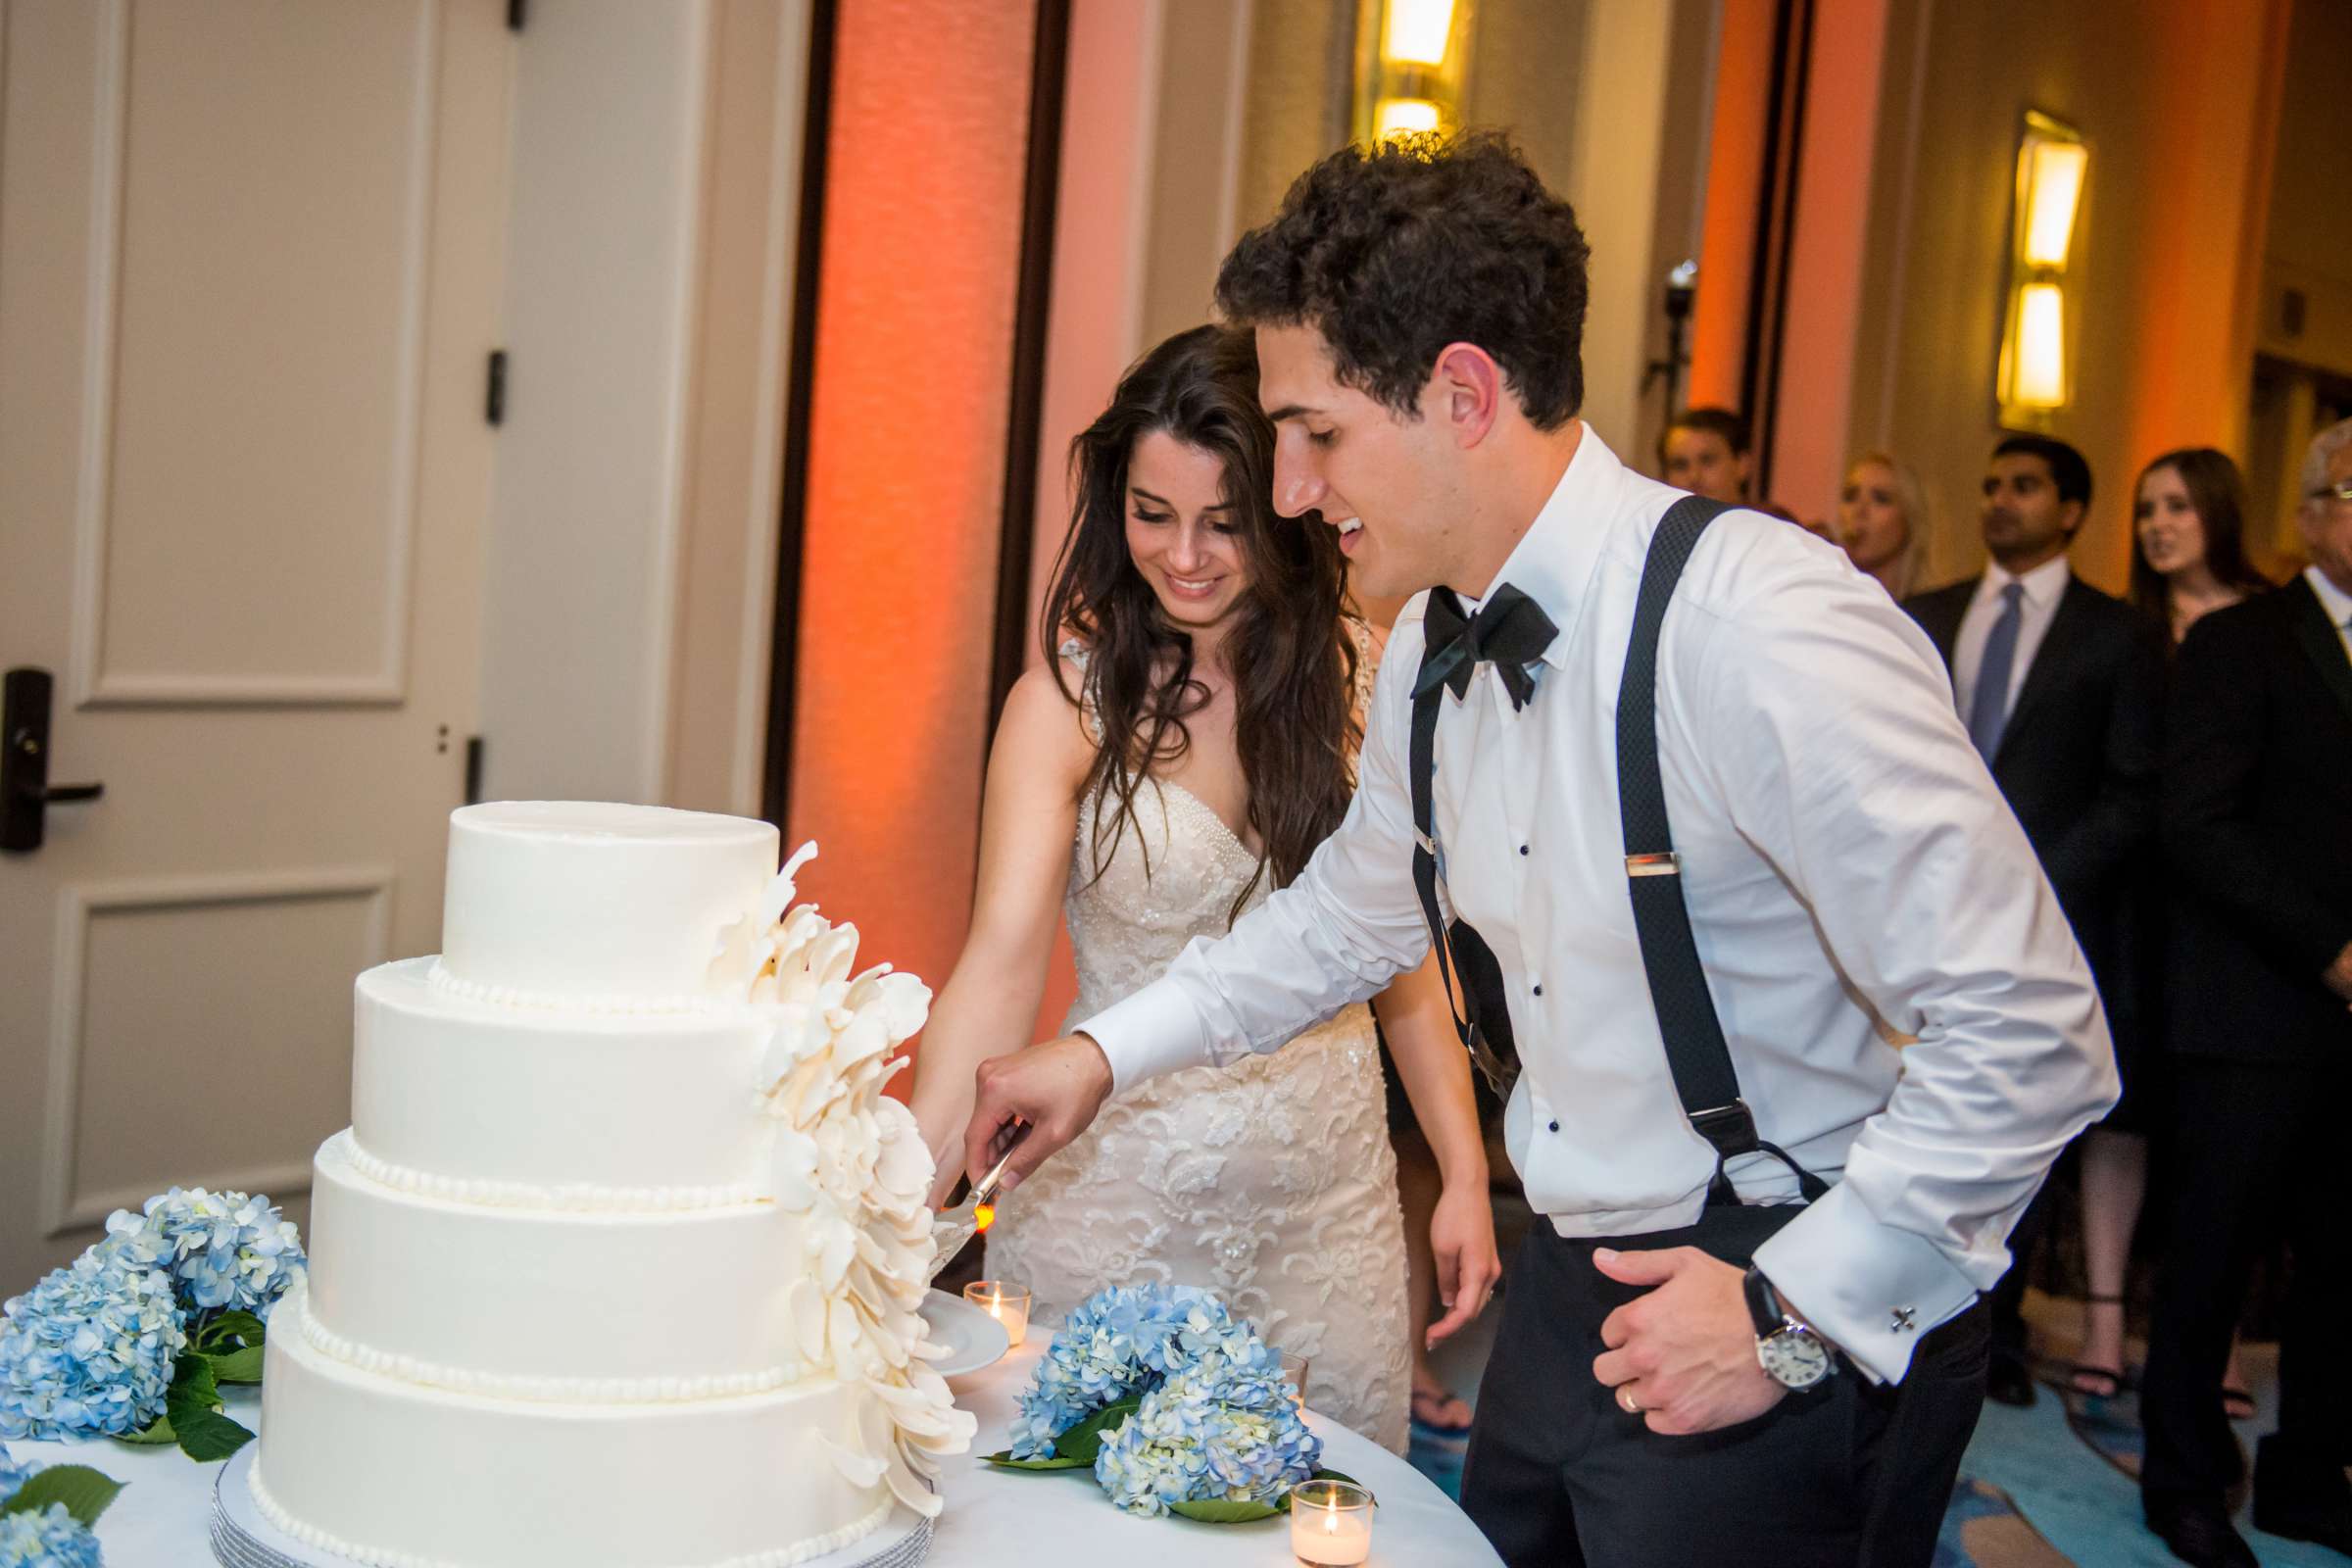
[[986, 1216]]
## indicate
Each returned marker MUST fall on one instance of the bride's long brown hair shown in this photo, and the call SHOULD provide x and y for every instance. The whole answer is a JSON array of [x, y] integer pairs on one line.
[[1291, 654]]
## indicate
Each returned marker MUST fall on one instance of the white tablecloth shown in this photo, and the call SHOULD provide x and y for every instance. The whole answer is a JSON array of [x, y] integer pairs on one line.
[[994, 1519]]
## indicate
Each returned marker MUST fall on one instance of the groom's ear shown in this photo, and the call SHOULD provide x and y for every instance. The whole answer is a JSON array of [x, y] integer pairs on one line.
[[1465, 392]]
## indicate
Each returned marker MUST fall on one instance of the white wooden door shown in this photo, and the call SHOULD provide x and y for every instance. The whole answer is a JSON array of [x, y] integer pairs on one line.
[[250, 259]]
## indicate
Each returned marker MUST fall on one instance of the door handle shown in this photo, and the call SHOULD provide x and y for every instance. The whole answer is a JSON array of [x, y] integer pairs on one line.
[[26, 793]]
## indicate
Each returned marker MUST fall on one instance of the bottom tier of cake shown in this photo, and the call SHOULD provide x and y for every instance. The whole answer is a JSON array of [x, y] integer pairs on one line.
[[400, 1475]]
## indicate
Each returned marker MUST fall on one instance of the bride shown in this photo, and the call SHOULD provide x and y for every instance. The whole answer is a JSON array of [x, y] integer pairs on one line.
[[1189, 747]]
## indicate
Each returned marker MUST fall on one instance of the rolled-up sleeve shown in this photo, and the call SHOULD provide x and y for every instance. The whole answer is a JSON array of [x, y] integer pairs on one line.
[[1347, 925], [1835, 746]]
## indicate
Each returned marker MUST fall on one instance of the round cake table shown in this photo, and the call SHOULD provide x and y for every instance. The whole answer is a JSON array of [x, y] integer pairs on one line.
[[994, 1519]]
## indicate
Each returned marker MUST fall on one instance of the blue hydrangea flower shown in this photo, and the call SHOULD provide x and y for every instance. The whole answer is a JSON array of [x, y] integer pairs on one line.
[[50, 1539], [1119, 1343], [88, 1350], [223, 1251], [11, 1475], [1222, 1430]]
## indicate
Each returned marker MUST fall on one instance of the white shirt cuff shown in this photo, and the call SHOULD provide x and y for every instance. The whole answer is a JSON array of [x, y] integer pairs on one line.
[[1155, 1031], [1871, 1289]]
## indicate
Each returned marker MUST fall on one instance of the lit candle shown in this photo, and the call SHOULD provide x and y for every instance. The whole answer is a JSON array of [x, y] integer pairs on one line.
[[1331, 1523], [1008, 1303]]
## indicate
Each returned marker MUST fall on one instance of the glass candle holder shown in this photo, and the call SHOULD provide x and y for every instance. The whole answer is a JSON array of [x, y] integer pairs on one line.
[[1293, 1373], [1006, 1302], [1331, 1523]]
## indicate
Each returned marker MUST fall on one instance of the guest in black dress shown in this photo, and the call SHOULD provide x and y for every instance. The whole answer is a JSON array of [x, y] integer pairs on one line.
[[2257, 821], [2188, 558]]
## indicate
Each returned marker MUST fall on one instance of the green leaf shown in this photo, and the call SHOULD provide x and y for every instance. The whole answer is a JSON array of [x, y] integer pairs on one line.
[[238, 1366], [1076, 1448], [228, 1329], [206, 1435], [155, 1435], [194, 1405], [1084, 1440], [193, 1380], [83, 1490], [1225, 1510], [1003, 1459]]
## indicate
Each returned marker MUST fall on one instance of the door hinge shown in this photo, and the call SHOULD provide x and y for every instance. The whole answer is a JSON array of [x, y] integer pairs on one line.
[[517, 13], [473, 771], [494, 396]]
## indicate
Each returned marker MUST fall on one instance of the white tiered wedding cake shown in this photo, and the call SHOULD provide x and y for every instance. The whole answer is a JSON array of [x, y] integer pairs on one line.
[[620, 1259]]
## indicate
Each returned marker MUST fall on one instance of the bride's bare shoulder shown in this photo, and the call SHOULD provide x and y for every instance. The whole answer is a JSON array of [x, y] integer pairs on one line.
[[1045, 723]]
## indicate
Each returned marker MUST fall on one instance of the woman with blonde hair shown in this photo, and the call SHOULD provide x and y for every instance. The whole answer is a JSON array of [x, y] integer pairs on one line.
[[1882, 520]]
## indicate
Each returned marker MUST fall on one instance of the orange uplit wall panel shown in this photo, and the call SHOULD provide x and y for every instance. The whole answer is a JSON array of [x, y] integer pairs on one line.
[[2222, 66], [912, 367], [1825, 255], [1735, 202]]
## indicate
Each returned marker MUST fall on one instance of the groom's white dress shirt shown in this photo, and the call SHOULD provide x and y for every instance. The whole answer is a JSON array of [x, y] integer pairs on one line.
[[1846, 858]]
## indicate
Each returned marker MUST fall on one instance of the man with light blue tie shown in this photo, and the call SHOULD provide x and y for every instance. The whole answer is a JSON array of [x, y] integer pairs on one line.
[[2061, 688]]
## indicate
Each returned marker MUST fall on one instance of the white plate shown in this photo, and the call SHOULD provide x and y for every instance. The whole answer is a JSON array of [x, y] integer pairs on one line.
[[972, 1337]]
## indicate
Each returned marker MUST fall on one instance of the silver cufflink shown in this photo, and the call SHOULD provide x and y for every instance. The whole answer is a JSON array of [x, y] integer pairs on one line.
[[1905, 1320]]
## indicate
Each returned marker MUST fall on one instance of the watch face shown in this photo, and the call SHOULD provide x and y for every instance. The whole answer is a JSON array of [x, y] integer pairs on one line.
[[1793, 1357]]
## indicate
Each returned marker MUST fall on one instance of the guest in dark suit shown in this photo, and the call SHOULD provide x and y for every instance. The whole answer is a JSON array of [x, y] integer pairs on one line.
[[2257, 820], [2060, 687]]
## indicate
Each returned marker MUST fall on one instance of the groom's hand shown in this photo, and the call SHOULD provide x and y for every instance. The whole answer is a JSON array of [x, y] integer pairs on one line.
[[1038, 1099], [1682, 1356]]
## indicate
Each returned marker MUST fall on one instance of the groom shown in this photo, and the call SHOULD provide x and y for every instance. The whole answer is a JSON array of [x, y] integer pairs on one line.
[[1840, 872]]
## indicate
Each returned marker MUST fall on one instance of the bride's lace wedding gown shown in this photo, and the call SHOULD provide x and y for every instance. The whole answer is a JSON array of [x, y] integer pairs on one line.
[[1270, 1181]]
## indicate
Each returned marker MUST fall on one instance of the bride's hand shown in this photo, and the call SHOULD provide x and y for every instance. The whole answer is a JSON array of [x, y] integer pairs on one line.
[[1031, 1103], [1462, 1234]]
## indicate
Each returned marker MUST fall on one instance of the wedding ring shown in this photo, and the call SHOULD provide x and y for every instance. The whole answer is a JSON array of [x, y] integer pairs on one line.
[[1626, 1400]]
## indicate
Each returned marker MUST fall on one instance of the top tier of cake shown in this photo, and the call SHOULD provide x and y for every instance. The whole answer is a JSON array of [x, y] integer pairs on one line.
[[581, 903]]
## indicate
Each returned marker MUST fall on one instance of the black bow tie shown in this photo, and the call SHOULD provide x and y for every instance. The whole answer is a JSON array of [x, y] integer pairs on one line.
[[1510, 631]]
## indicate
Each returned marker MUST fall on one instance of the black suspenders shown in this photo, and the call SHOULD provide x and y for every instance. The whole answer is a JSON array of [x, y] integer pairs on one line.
[[1695, 1052]]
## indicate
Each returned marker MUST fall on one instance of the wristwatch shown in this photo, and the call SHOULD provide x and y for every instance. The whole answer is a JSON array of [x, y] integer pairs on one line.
[[1790, 1352]]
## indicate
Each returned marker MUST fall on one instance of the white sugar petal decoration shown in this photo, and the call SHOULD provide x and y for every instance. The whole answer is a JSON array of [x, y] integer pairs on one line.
[[864, 1037], [794, 1164], [875, 1431], [857, 1469], [905, 1003], [807, 1304], [846, 1333], [735, 958], [833, 1262], [780, 889], [905, 1168], [787, 1034], [931, 1385], [831, 958], [910, 1489], [961, 1428], [869, 1293]]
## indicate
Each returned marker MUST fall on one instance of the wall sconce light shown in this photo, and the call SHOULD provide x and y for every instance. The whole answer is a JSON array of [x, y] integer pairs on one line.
[[1410, 65], [2052, 167]]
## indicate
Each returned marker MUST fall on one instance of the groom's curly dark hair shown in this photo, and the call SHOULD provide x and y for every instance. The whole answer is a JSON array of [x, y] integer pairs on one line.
[[1395, 250]]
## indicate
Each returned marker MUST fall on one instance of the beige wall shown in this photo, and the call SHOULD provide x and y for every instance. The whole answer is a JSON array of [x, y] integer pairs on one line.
[[610, 100], [1608, 99], [727, 553], [2309, 241], [2171, 95]]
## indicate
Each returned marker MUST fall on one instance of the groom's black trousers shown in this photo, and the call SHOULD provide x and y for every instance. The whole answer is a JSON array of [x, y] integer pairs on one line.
[[1849, 1474]]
